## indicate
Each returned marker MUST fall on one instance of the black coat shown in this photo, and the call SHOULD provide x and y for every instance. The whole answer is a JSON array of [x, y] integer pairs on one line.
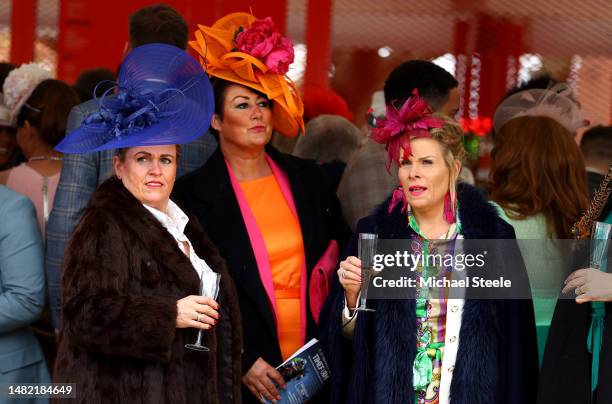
[[208, 193], [497, 358], [566, 367], [122, 276]]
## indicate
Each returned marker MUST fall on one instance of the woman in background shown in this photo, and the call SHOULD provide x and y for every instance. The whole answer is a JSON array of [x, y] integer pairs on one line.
[[577, 361], [40, 113], [538, 183]]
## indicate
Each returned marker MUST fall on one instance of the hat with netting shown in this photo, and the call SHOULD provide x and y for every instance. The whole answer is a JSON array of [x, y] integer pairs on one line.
[[163, 96], [557, 102]]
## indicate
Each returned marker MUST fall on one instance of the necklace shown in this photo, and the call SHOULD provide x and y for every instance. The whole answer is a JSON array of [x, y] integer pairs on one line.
[[52, 158]]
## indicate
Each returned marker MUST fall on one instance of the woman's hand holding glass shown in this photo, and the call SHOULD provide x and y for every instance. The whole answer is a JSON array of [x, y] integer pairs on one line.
[[197, 312], [589, 285], [349, 274]]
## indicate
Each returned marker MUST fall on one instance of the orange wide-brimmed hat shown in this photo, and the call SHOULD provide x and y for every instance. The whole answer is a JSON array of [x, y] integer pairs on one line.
[[245, 50]]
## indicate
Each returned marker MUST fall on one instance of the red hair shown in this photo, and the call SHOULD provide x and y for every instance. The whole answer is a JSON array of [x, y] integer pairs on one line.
[[536, 167]]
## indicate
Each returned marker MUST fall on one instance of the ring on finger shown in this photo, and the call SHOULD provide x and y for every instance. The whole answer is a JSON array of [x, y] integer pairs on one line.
[[578, 291], [343, 273], [199, 318]]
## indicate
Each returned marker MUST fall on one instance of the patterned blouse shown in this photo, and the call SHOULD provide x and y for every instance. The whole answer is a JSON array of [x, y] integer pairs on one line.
[[430, 314]]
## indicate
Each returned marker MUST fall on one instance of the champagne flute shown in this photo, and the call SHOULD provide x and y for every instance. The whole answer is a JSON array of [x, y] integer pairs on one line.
[[366, 249], [600, 238], [209, 287]]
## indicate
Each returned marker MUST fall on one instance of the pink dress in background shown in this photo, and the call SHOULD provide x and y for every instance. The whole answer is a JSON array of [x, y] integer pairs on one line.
[[40, 190]]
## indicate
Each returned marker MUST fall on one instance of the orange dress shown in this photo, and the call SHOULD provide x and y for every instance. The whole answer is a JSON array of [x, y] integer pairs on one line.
[[282, 235]]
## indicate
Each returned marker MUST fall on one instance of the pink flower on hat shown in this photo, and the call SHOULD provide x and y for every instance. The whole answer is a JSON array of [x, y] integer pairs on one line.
[[263, 41]]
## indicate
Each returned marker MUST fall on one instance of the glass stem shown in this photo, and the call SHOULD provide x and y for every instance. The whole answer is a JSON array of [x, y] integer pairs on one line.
[[199, 341]]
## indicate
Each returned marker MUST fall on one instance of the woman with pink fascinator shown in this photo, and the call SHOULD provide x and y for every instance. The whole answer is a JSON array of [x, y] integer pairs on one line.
[[429, 347]]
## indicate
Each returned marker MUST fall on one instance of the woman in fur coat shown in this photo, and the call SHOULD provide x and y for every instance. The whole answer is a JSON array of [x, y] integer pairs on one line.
[[422, 349], [131, 276]]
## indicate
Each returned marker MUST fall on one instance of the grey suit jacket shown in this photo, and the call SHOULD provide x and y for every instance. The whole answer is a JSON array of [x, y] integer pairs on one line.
[[22, 290]]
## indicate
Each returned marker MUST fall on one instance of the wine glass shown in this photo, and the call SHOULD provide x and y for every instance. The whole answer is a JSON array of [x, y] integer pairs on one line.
[[366, 249], [600, 238], [209, 287]]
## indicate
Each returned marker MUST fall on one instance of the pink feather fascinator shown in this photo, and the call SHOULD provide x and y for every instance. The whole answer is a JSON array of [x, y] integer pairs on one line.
[[398, 127]]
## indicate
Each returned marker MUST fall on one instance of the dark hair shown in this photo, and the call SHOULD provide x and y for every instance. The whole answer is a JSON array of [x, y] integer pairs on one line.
[[596, 144], [433, 82], [543, 82], [5, 69], [159, 23], [121, 152], [219, 89], [47, 109], [89, 79], [536, 167]]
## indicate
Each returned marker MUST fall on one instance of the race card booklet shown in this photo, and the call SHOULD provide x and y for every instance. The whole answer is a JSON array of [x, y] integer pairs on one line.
[[305, 373]]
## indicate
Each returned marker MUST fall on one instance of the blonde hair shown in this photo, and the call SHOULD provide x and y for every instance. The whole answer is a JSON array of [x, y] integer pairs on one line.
[[450, 137]]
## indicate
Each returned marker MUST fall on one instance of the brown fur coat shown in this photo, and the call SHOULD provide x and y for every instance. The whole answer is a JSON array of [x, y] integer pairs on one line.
[[122, 275]]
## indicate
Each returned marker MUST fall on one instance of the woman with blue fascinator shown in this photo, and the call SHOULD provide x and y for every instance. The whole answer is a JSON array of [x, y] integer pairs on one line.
[[131, 274]]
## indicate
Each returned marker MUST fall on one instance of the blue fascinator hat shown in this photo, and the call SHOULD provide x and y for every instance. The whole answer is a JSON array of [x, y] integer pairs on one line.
[[163, 96]]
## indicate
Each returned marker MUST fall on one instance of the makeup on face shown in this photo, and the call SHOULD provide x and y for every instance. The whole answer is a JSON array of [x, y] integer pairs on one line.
[[149, 173], [424, 174], [247, 118]]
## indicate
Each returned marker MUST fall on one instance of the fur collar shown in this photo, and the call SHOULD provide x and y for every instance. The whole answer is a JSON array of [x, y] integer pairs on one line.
[[112, 198]]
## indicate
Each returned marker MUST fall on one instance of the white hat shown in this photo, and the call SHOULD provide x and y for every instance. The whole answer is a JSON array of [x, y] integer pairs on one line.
[[19, 85], [557, 102]]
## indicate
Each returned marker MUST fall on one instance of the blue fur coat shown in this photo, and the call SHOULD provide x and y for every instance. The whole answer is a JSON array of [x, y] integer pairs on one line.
[[497, 361]]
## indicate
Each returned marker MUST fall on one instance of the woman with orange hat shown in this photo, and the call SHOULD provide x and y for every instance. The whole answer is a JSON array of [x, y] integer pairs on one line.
[[271, 215]]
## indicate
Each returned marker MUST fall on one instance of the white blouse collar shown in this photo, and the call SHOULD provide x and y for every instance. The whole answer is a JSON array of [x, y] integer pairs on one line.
[[174, 220]]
